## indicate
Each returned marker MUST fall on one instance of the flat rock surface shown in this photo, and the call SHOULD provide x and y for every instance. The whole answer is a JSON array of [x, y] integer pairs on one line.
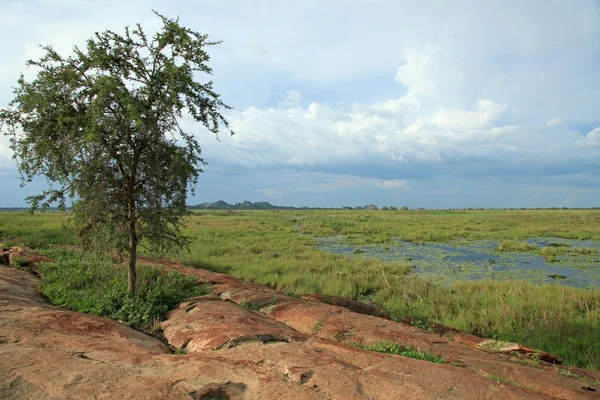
[[251, 342]]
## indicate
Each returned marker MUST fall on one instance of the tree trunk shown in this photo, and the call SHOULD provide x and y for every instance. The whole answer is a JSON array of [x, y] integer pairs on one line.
[[133, 241], [132, 273]]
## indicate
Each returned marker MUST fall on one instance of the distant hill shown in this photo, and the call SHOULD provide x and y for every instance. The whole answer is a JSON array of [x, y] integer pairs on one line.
[[246, 205]]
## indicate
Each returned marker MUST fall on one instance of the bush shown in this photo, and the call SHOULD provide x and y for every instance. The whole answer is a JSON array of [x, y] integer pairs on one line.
[[93, 283]]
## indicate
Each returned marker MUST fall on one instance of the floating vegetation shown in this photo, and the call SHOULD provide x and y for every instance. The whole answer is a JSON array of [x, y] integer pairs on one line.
[[566, 262], [516, 246]]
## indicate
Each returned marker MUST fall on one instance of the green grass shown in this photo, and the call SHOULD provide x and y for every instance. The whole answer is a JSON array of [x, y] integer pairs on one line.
[[584, 250], [266, 247], [19, 262], [35, 230], [511, 245], [389, 347], [554, 251], [94, 284], [559, 319]]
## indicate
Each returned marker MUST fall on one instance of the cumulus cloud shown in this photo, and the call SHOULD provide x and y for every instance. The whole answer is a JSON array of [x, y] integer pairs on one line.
[[591, 139], [425, 95], [291, 100], [381, 135]]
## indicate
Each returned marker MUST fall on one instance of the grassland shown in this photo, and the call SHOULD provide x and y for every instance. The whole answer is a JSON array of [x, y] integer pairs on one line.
[[276, 248]]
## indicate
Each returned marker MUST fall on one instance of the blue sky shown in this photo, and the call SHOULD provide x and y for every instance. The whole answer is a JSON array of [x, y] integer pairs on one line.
[[438, 104]]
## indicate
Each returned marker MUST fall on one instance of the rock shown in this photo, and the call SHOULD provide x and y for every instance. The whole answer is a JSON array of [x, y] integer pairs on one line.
[[500, 346], [25, 258], [356, 306], [209, 323], [290, 349], [4, 260]]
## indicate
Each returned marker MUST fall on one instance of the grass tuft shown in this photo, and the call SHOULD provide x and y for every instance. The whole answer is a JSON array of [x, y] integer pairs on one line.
[[389, 347], [511, 245]]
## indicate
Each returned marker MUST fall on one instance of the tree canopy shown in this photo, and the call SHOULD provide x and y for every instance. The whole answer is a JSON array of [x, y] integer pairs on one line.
[[103, 126]]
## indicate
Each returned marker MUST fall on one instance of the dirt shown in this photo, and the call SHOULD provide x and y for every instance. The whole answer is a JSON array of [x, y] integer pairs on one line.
[[247, 341]]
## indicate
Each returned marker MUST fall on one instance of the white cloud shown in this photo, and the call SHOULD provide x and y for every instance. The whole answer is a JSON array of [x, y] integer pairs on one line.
[[464, 94], [319, 136], [393, 184], [272, 192], [292, 100], [6, 153], [555, 122], [591, 139]]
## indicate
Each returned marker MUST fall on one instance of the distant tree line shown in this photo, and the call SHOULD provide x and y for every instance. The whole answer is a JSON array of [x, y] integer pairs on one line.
[[263, 205]]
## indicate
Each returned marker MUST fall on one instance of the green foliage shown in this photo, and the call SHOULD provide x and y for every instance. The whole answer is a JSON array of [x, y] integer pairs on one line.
[[93, 283], [102, 126], [251, 305], [389, 347], [19, 261]]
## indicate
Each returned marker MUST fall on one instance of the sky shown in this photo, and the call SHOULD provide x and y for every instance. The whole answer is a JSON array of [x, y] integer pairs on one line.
[[432, 104]]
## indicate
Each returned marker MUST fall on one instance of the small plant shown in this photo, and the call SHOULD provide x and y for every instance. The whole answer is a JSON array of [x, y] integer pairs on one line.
[[180, 351], [564, 371], [421, 322], [293, 294], [255, 305], [319, 324], [250, 305], [19, 262], [389, 347], [496, 378]]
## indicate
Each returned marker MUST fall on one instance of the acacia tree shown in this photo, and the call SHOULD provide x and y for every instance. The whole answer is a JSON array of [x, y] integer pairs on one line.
[[102, 125]]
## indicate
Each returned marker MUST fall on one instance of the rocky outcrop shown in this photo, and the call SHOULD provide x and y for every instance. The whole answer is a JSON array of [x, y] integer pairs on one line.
[[249, 342], [22, 257]]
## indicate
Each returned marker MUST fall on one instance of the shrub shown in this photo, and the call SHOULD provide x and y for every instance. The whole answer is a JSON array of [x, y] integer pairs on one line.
[[93, 283]]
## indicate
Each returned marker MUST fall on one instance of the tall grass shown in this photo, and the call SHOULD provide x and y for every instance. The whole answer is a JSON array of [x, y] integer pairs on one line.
[[558, 319], [35, 230]]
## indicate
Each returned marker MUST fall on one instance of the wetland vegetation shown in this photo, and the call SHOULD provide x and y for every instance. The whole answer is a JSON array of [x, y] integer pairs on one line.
[[493, 273]]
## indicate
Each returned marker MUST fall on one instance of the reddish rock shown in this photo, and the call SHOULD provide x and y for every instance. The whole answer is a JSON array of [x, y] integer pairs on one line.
[[291, 349], [209, 323], [4, 260], [350, 304], [28, 259]]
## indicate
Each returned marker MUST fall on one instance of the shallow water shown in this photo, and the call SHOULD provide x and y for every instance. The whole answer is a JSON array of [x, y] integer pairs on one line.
[[473, 260]]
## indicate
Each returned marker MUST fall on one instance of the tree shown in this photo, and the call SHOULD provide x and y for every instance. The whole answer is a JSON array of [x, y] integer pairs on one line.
[[102, 125]]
